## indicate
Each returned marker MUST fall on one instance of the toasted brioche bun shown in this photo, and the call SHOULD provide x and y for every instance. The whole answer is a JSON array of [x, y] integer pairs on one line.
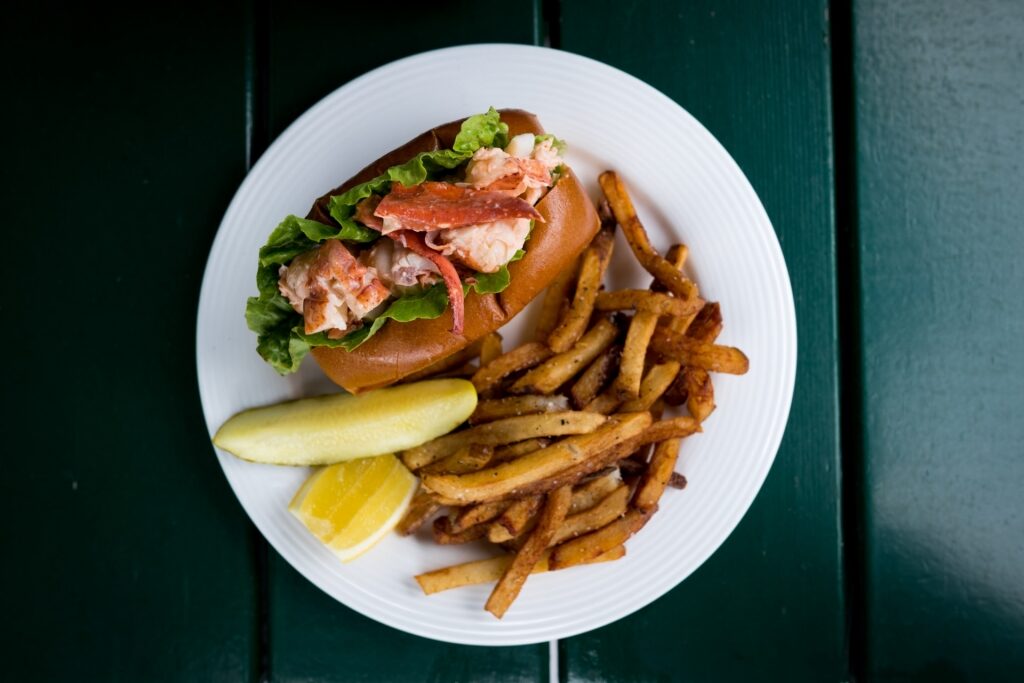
[[399, 349]]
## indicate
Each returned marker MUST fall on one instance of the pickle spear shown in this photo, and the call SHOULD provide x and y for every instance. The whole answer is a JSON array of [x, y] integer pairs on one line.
[[330, 429]]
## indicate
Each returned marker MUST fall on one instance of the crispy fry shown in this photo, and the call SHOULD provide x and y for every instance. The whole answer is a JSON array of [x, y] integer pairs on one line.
[[627, 383], [490, 348], [488, 377], [707, 324], [675, 395], [444, 534], [646, 300], [590, 493], [690, 352], [477, 514], [656, 478], [468, 574], [508, 478], [456, 360], [586, 548], [606, 402], [517, 449], [622, 206], [422, 508], [556, 301], [676, 255], [496, 408], [467, 459], [593, 264], [700, 392], [678, 427], [558, 370], [504, 431], [515, 576], [653, 385], [515, 519], [610, 508], [594, 378], [677, 481], [491, 569]]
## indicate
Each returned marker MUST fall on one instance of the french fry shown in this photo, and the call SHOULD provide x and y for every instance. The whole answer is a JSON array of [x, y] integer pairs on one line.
[[656, 478], [488, 377], [559, 369], [491, 569], [590, 493], [696, 382], [679, 427], [646, 300], [711, 357], [466, 459], [627, 383], [517, 449], [468, 574], [444, 534], [556, 300], [593, 264], [517, 475], [653, 385], [490, 348], [456, 360], [472, 515], [676, 255], [605, 403], [700, 392], [622, 206], [677, 481], [514, 520], [500, 432], [594, 378], [707, 324], [515, 576], [513, 406], [585, 548], [421, 508], [610, 508]]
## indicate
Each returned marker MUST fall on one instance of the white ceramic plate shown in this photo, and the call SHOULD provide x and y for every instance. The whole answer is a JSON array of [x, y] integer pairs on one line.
[[687, 188]]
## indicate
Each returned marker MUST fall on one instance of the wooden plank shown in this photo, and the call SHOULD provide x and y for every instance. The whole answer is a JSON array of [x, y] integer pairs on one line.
[[312, 637], [940, 128], [768, 605], [126, 556]]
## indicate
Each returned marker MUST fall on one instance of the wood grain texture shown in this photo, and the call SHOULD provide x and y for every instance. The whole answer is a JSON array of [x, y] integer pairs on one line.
[[940, 129], [312, 637], [126, 556], [768, 605]]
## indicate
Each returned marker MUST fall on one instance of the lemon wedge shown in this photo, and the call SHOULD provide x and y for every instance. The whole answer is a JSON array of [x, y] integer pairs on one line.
[[350, 506]]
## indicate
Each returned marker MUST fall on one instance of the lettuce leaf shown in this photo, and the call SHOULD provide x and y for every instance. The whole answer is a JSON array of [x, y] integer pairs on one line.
[[282, 341]]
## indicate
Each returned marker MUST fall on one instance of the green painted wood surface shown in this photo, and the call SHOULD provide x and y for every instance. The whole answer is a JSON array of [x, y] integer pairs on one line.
[[940, 130], [312, 636], [125, 555], [768, 605]]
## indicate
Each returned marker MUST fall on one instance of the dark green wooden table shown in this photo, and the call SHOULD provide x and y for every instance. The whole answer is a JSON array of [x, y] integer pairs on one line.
[[885, 140]]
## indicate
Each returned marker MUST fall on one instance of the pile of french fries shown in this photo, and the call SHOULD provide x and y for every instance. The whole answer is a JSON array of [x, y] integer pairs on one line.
[[569, 451]]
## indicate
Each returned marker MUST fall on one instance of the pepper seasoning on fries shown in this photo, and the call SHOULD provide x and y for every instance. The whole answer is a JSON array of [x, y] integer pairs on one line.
[[553, 466]]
